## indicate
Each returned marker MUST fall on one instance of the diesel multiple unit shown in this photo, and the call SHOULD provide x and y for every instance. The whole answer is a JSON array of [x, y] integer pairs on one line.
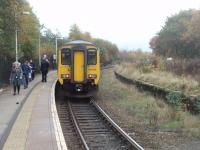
[[79, 68]]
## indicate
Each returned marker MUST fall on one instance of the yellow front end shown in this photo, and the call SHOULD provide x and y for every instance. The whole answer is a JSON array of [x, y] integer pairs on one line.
[[94, 69], [78, 66], [64, 71], [79, 75]]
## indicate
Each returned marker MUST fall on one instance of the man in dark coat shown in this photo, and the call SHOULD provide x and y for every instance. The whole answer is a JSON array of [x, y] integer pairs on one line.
[[44, 68], [26, 70]]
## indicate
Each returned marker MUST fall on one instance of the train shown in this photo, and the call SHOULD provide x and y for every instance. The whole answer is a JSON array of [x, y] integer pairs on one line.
[[79, 68]]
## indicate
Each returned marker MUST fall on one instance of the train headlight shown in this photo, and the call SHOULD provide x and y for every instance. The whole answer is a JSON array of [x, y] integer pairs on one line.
[[92, 76], [65, 76]]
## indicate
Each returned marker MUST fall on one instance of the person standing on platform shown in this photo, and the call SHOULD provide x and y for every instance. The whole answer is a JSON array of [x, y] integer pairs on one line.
[[33, 69], [26, 70], [44, 68], [16, 77], [30, 73]]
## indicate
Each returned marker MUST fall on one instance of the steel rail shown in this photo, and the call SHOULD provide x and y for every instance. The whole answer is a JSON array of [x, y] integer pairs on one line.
[[77, 127], [106, 67], [124, 134]]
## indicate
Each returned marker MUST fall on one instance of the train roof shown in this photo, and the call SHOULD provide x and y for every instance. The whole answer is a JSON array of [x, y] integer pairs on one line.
[[75, 42]]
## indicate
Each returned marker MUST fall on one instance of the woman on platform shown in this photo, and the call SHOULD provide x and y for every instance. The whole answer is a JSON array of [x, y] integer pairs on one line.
[[16, 77]]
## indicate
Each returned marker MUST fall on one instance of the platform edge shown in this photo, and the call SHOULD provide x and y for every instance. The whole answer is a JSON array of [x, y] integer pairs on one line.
[[61, 144]]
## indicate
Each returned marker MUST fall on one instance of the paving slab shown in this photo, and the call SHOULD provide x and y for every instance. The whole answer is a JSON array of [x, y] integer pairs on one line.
[[10, 106], [37, 126]]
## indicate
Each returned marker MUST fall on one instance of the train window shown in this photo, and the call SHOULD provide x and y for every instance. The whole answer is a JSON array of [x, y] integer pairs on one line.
[[92, 57], [65, 56]]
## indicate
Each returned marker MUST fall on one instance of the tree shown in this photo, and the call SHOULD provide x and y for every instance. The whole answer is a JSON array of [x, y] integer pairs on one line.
[[108, 50], [154, 42], [28, 33], [192, 35], [11, 17], [75, 33], [179, 36], [48, 42], [7, 18]]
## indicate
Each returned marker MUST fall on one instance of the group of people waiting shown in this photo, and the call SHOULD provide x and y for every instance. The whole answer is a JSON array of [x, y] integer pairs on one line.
[[25, 73]]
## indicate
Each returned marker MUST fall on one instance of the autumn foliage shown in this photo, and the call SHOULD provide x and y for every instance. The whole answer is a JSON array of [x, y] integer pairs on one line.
[[180, 36], [108, 50]]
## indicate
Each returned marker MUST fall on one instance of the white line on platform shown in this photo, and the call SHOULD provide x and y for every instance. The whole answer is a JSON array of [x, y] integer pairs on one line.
[[57, 127]]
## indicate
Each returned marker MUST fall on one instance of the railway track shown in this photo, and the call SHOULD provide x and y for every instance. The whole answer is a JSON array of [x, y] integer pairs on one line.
[[86, 126]]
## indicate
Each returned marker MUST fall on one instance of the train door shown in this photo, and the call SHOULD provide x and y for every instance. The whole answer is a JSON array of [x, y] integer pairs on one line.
[[78, 66]]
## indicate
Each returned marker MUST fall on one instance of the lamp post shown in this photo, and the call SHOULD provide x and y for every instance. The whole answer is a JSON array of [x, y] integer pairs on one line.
[[56, 49], [16, 50], [16, 35], [56, 40], [39, 53]]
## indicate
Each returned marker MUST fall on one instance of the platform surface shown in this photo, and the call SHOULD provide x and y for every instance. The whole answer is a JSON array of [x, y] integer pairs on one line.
[[34, 126], [9, 105]]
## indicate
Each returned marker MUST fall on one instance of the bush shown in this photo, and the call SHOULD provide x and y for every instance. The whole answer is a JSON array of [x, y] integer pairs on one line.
[[187, 67], [196, 105], [174, 98], [146, 69]]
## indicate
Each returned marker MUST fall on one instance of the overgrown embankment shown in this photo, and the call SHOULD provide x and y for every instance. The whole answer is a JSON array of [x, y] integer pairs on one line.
[[149, 120], [175, 90], [158, 77]]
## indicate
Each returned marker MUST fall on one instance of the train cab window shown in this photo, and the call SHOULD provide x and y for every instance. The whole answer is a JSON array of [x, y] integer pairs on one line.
[[65, 56], [91, 56]]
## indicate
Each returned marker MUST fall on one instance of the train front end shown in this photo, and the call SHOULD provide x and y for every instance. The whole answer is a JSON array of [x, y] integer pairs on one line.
[[79, 68]]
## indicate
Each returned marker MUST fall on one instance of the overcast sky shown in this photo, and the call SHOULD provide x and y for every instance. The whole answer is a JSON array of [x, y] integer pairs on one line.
[[128, 23]]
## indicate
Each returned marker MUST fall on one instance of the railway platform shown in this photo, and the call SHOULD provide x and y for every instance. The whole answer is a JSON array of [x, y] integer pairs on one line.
[[29, 121]]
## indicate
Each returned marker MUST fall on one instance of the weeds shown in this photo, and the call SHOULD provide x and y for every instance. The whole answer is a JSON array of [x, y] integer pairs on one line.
[[164, 79], [144, 109]]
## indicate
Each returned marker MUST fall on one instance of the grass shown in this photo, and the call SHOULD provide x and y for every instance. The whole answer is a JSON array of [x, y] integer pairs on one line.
[[161, 78], [171, 125], [141, 109]]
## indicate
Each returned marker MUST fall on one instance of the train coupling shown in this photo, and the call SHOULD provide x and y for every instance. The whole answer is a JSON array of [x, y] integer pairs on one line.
[[79, 87]]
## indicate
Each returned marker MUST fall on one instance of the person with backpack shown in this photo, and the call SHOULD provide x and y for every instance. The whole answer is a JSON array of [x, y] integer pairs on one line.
[[26, 70]]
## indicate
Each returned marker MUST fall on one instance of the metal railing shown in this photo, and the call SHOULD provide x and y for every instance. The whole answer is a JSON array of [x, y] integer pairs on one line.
[[5, 68]]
